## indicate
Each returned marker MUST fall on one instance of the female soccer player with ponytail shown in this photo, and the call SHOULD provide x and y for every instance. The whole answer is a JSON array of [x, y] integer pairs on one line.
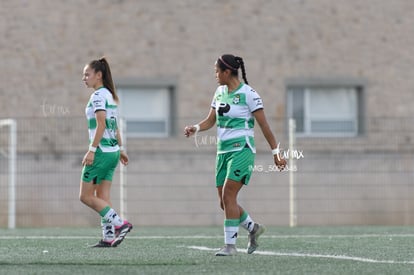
[[234, 109], [105, 151]]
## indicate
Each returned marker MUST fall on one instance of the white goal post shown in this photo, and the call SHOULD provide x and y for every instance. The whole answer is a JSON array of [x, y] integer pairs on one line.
[[292, 165], [123, 174], [11, 155]]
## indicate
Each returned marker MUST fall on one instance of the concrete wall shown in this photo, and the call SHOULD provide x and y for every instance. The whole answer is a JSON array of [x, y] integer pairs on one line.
[[179, 189], [44, 52]]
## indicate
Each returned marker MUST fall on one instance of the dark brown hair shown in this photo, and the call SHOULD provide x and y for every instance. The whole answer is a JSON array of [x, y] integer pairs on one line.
[[102, 65], [232, 63]]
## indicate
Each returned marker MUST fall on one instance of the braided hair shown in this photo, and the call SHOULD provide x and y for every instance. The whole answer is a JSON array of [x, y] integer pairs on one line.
[[232, 63]]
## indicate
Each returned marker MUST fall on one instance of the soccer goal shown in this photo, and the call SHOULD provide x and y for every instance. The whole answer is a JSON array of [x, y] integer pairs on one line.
[[10, 154]]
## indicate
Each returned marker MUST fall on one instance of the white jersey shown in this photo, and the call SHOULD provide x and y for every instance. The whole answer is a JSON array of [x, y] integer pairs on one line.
[[102, 100], [234, 116]]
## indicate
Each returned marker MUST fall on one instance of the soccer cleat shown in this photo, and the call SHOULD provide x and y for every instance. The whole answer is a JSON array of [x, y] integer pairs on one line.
[[227, 250], [102, 244], [254, 237], [120, 233]]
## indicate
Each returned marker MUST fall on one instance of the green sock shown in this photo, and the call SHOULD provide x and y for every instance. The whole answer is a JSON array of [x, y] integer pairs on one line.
[[104, 211], [246, 221], [110, 215]]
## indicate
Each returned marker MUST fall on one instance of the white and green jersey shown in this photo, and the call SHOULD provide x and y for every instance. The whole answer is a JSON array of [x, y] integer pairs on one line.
[[234, 115], [102, 100]]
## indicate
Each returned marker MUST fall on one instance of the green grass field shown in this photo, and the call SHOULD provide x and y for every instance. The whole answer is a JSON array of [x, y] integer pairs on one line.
[[190, 250]]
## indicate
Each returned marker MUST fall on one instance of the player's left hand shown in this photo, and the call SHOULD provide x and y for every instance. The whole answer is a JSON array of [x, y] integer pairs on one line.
[[88, 158], [124, 158], [280, 163]]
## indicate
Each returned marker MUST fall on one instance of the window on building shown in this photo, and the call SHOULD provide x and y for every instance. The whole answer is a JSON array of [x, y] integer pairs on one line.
[[325, 110], [147, 110]]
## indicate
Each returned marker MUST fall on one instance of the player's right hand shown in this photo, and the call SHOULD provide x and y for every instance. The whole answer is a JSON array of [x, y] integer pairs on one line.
[[189, 130]]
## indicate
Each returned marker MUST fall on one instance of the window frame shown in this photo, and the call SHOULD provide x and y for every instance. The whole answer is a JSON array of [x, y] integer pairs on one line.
[[170, 84], [306, 85]]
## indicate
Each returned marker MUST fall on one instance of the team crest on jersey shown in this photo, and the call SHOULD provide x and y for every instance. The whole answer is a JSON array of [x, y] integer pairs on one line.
[[236, 99]]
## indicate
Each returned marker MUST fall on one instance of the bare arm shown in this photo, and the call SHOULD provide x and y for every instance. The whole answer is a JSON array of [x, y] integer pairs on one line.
[[100, 128], [118, 137], [260, 117], [204, 125], [123, 155]]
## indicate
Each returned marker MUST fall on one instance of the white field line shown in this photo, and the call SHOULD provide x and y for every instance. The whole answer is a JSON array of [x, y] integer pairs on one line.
[[94, 237], [311, 255], [356, 236]]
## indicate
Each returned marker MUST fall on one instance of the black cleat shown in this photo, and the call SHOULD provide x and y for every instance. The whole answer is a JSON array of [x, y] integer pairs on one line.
[[103, 244], [121, 232]]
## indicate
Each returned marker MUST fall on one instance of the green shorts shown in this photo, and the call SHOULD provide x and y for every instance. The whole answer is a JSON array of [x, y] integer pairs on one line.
[[103, 167], [237, 166]]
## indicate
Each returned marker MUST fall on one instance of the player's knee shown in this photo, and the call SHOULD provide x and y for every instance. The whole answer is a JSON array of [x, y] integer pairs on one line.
[[84, 199]]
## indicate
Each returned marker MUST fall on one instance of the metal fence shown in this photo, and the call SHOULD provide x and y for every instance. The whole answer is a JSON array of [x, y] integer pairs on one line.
[[361, 180]]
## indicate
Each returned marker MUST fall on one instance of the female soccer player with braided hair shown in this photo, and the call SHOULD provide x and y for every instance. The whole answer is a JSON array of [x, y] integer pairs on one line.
[[105, 151], [234, 109]]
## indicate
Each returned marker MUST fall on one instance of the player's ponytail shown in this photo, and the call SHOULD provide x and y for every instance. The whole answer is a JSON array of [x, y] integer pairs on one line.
[[102, 65], [241, 62]]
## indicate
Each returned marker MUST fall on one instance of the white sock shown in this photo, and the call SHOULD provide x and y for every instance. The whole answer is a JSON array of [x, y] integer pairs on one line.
[[231, 230], [247, 223], [230, 234], [113, 218], [108, 231]]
